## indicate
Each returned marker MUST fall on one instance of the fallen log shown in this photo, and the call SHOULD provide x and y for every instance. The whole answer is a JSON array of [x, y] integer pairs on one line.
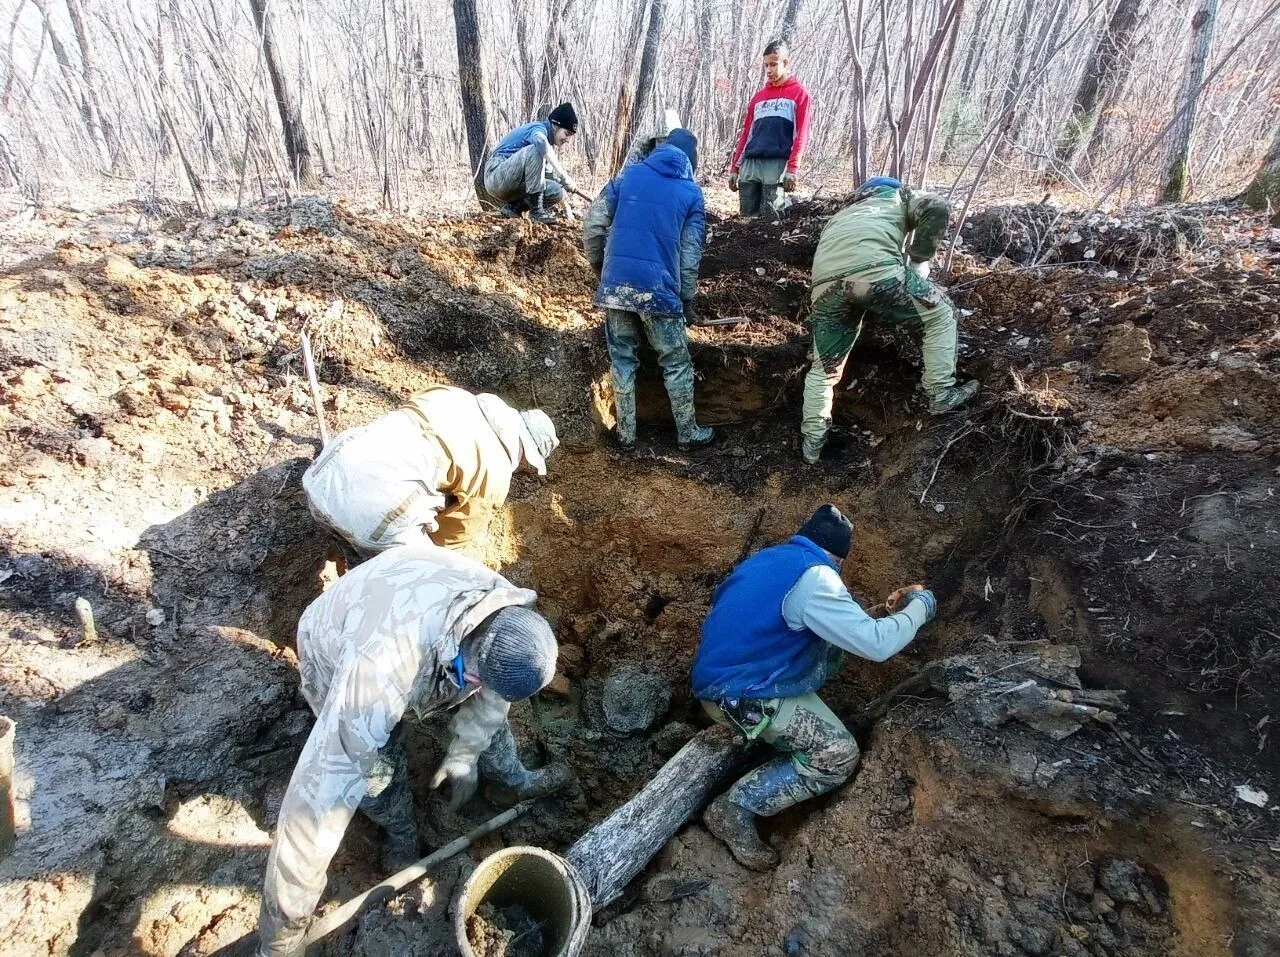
[[613, 852]]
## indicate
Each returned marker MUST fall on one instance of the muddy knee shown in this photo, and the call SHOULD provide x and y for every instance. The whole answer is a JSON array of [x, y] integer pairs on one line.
[[833, 763]]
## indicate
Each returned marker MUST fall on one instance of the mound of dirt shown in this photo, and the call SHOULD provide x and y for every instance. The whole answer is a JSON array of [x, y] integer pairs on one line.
[[1042, 233], [1112, 489]]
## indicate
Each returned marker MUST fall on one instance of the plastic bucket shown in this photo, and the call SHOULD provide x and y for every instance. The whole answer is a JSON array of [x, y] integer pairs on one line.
[[546, 886]]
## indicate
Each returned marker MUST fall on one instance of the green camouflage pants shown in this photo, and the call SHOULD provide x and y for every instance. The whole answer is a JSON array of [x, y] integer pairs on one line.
[[839, 309], [820, 753], [758, 188]]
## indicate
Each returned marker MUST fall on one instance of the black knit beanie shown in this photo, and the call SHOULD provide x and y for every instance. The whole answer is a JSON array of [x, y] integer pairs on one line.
[[828, 528], [565, 115]]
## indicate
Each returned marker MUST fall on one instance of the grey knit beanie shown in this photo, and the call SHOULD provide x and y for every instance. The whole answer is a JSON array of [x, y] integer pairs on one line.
[[515, 652]]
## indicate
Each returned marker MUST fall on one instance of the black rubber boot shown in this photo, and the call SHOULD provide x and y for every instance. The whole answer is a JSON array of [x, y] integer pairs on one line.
[[537, 212]]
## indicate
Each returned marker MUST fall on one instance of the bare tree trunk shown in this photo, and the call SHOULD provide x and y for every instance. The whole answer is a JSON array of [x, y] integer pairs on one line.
[[1177, 178], [1264, 191], [474, 88], [92, 85], [1102, 74], [622, 132], [297, 146], [640, 113], [528, 72], [790, 16]]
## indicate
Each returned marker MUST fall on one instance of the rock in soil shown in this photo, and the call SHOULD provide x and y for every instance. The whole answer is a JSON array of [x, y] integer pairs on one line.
[[634, 699]]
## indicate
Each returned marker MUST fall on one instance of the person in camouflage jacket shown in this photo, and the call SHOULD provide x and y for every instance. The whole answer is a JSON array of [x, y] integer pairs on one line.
[[418, 628], [858, 270]]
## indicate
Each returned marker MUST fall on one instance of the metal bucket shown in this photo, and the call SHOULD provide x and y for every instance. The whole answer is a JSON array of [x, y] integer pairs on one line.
[[546, 886]]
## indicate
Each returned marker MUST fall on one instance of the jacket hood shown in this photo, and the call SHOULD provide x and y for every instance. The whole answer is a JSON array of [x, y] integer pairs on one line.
[[788, 82], [670, 161]]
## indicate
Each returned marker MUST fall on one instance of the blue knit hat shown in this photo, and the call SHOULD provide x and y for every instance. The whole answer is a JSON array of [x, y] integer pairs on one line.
[[515, 652], [687, 143]]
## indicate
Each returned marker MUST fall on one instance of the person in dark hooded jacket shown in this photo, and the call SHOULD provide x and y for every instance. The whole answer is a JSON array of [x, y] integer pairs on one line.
[[643, 235]]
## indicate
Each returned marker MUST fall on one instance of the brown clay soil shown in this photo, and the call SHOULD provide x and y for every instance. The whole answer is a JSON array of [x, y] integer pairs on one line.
[[1113, 488]]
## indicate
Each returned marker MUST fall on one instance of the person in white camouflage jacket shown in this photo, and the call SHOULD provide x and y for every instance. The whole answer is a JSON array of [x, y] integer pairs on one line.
[[416, 628]]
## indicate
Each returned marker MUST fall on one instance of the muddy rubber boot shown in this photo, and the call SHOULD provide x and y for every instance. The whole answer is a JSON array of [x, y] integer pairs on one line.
[[688, 432], [398, 852], [952, 398], [537, 212], [540, 783], [624, 408], [811, 448], [736, 826]]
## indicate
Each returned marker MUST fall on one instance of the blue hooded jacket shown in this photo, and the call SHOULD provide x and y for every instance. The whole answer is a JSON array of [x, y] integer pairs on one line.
[[747, 649], [519, 138], [655, 221]]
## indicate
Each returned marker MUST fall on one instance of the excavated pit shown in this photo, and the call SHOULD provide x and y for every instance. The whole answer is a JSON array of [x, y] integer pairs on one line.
[[158, 431]]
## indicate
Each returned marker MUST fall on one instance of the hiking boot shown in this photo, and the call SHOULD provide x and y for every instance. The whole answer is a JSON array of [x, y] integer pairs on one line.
[[511, 210], [537, 212], [624, 407], [811, 449], [736, 826], [952, 397]]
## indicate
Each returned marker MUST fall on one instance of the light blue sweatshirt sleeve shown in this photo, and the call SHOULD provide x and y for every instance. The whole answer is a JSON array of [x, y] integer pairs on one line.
[[821, 603]]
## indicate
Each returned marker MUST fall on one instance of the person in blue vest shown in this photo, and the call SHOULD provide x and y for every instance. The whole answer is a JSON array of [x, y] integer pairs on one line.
[[777, 630], [643, 236], [523, 171]]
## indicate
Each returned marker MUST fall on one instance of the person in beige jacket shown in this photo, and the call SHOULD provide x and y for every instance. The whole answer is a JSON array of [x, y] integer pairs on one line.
[[436, 468], [417, 628]]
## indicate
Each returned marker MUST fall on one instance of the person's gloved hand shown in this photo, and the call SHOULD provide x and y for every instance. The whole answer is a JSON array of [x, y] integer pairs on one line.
[[788, 182], [733, 182], [926, 596], [570, 183], [462, 777], [921, 268]]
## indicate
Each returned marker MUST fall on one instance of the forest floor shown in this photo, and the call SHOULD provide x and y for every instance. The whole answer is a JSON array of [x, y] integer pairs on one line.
[[1113, 488]]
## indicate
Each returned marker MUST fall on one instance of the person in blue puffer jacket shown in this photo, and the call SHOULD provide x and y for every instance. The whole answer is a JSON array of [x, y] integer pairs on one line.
[[777, 630], [643, 236]]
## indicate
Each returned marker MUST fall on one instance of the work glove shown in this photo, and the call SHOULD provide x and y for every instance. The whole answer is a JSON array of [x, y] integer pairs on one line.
[[930, 603], [921, 268], [788, 182], [733, 182], [462, 776]]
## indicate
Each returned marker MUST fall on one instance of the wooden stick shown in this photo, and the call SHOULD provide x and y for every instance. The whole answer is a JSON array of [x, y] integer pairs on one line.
[[309, 364], [337, 918]]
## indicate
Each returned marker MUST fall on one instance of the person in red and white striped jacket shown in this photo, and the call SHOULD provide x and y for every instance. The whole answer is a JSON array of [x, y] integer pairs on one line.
[[774, 133]]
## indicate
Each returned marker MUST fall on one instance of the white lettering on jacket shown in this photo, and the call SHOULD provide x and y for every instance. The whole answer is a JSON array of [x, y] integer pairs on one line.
[[781, 107]]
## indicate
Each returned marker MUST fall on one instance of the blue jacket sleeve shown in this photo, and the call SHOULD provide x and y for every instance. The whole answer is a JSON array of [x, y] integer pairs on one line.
[[692, 237], [597, 223]]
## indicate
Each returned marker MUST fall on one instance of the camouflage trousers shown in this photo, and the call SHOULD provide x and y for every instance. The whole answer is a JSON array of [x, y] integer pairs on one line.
[[388, 801], [839, 309], [819, 752], [759, 184], [625, 331], [511, 178]]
